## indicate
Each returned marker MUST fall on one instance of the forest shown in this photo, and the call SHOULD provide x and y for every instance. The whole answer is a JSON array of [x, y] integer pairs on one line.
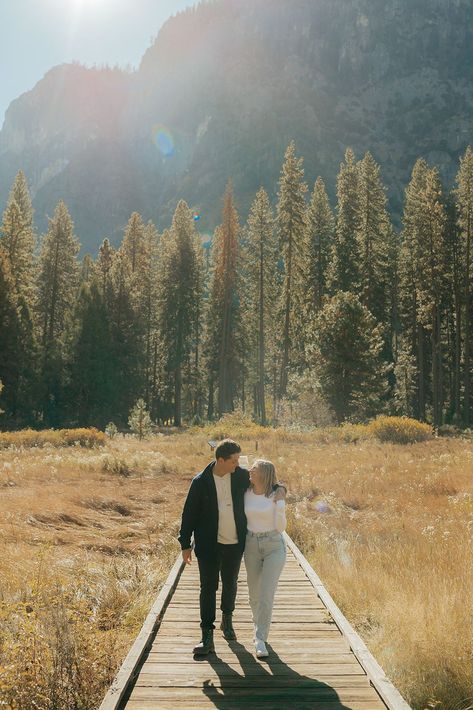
[[307, 312]]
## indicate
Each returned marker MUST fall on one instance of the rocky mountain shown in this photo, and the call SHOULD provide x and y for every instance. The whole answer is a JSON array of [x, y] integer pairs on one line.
[[222, 91]]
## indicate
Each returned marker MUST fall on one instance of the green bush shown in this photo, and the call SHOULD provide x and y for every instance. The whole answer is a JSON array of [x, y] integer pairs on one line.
[[399, 430]]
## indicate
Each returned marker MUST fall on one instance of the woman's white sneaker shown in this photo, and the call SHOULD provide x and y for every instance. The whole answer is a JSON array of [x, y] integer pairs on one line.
[[261, 650]]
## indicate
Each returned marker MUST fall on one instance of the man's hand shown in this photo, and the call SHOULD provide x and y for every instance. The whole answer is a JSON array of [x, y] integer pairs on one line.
[[280, 494], [187, 556]]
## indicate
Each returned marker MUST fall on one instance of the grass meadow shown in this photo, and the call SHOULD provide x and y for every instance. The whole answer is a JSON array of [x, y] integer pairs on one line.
[[88, 536]]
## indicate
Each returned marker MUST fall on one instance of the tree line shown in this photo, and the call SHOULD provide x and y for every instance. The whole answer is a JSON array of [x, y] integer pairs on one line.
[[302, 303]]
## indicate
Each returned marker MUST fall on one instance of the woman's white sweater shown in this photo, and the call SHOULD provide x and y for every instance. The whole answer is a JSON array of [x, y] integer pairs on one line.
[[263, 514]]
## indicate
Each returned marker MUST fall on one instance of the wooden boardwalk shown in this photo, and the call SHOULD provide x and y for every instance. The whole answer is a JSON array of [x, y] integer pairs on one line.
[[316, 659]]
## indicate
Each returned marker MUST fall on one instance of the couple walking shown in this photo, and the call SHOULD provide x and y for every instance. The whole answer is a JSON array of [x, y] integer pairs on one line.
[[231, 512]]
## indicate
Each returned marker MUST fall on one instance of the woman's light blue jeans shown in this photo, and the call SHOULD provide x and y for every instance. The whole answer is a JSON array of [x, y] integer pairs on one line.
[[265, 555]]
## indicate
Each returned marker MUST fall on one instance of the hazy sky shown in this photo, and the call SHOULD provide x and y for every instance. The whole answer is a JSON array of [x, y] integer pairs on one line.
[[39, 34]]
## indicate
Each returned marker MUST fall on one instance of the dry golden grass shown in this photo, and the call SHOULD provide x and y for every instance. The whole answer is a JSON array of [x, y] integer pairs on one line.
[[88, 536]]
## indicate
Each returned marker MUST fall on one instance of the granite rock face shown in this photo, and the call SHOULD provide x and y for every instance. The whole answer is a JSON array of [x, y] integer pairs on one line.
[[221, 92]]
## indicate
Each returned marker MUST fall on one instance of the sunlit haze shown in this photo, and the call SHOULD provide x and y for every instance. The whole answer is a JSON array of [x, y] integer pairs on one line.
[[39, 34]]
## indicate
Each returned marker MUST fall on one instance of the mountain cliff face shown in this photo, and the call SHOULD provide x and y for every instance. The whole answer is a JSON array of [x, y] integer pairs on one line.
[[223, 90]]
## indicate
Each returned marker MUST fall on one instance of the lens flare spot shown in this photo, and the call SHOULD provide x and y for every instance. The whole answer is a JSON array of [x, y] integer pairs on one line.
[[163, 140]]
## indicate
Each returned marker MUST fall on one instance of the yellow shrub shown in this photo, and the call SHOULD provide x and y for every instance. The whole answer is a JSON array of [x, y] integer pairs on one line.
[[53, 437], [236, 425], [399, 430]]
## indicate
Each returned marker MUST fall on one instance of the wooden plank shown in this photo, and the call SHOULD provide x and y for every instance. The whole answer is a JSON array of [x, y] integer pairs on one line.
[[256, 669], [183, 695], [391, 696], [242, 682], [127, 670], [226, 703]]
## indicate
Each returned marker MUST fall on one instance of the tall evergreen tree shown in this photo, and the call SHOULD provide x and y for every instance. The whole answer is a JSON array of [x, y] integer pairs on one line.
[[454, 298], [261, 261], [346, 357], [464, 195], [18, 238], [126, 336], [291, 224], [344, 270], [177, 287], [414, 333], [431, 267], [57, 291], [134, 242], [93, 370], [222, 348], [10, 329], [320, 232], [373, 235], [423, 275]]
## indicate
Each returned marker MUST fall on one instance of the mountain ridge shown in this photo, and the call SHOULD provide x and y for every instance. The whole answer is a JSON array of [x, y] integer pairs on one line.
[[221, 92]]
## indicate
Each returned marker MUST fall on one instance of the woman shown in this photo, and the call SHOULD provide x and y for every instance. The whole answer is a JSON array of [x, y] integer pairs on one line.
[[265, 550]]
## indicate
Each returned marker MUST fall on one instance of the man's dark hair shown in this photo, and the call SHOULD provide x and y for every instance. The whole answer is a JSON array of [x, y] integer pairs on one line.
[[227, 448]]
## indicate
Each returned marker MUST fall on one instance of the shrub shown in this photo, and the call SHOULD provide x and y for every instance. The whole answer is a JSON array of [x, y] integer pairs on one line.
[[119, 466], [399, 430], [52, 437], [111, 430], [236, 425]]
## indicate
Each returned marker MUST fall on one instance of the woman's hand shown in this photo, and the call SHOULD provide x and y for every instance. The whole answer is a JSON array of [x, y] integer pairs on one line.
[[280, 494]]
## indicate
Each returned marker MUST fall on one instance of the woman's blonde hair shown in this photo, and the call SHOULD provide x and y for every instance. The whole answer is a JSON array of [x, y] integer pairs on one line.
[[268, 474]]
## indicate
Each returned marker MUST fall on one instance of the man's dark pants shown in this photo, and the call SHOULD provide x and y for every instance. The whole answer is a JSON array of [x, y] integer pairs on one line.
[[227, 563]]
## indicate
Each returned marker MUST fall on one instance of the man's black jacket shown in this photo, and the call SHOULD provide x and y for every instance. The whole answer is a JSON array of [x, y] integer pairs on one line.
[[200, 514]]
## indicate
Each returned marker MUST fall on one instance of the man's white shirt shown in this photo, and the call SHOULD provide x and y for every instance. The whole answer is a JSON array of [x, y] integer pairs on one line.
[[227, 532]]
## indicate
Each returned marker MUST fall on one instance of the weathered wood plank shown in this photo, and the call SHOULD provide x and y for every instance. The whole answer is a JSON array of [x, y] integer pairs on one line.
[[225, 703], [182, 695]]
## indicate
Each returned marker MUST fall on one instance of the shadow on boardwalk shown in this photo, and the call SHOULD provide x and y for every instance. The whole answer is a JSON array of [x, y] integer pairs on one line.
[[267, 683]]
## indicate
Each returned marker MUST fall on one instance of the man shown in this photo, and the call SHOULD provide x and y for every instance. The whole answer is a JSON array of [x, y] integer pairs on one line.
[[214, 513]]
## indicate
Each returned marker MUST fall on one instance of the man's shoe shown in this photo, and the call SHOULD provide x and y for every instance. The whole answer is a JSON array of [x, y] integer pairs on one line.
[[207, 643], [227, 627], [261, 650]]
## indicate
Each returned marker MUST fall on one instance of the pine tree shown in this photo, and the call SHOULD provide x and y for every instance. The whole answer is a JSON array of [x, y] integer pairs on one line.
[[373, 235], [57, 291], [346, 358], [291, 223], [148, 304], [134, 243], [126, 336], [92, 367], [222, 348], [104, 268], [431, 268], [139, 420], [344, 270], [454, 296], [320, 231], [423, 281], [415, 336], [261, 265], [464, 195], [18, 238], [10, 329], [177, 288]]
